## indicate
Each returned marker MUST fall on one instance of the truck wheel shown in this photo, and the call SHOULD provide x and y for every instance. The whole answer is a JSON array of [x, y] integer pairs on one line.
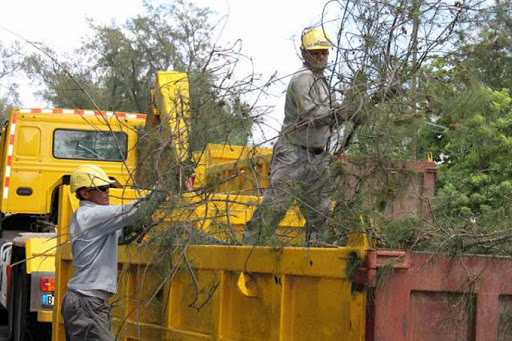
[[18, 304]]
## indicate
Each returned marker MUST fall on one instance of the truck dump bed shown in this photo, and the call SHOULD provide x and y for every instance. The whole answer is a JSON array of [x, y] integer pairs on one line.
[[262, 293], [234, 293]]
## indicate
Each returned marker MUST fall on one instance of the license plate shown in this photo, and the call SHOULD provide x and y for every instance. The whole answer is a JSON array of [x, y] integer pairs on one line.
[[47, 300]]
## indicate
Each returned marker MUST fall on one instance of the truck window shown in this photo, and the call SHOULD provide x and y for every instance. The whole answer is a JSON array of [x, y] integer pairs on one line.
[[89, 145]]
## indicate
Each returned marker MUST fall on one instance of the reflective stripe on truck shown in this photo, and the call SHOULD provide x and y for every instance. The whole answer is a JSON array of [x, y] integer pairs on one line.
[[9, 156], [84, 112]]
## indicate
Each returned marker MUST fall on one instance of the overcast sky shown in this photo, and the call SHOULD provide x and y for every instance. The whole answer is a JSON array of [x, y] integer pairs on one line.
[[267, 28]]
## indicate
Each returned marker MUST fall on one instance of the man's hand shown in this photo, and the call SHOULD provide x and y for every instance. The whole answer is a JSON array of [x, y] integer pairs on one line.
[[354, 104], [132, 233]]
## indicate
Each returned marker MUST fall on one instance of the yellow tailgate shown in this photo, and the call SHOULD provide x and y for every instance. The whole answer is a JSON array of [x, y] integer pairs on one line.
[[40, 253]]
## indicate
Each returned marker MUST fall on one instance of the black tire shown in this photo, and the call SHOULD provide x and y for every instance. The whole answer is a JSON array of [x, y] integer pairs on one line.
[[18, 305]]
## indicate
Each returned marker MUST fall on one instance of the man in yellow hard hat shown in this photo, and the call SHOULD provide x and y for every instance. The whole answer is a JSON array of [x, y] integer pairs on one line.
[[95, 229], [299, 169]]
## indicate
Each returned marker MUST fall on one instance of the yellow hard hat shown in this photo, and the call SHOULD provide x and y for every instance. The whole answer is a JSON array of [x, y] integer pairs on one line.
[[88, 176], [315, 39]]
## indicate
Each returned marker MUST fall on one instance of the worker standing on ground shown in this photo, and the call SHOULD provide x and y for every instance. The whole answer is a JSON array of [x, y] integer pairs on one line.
[[95, 229], [299, 168]]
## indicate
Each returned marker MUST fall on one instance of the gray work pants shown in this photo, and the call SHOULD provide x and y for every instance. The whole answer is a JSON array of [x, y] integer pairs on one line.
[[86, 317], [296, 173]]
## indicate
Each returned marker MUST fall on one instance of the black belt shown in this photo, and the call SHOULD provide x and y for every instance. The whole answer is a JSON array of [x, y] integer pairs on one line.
[[314, 150]]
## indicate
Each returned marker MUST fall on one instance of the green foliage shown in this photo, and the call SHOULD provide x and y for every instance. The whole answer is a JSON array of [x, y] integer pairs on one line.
[[465, 121], [489, 55], [157, 163], [470, 136], [477, 177]]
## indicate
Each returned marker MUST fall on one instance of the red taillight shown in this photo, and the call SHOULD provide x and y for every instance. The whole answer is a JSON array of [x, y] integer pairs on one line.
[[47, 284]]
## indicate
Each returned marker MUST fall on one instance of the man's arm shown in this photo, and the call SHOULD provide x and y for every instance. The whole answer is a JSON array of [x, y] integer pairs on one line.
[[104, 219], [313, 101]]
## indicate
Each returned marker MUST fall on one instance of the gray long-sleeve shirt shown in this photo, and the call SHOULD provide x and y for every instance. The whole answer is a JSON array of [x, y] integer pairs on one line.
[[307, 110], [94, 232]]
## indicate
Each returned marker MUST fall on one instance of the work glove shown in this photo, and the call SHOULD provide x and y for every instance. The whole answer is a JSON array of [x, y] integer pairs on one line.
[[349, 111], [149, 204], [133, 233]]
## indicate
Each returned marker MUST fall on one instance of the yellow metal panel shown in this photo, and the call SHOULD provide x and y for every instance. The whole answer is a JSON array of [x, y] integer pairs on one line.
[[6, 159], [217, 154], [44, 316], [225, 215], [40, 253], [63, 268], [244, 168], [332, 300], [3, 146], [318, 262], [132, 304], [28, 142], [296, 288], [32, 204], [140, 331], [244, 176], [237, 176], [172, 100], [183, 294]]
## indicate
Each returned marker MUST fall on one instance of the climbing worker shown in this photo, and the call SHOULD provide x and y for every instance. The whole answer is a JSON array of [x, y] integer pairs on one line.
[[299, 168]]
